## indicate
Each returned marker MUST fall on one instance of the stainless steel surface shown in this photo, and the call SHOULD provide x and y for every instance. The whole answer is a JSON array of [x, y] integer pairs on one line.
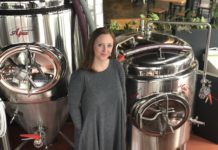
[[25, 74], [78, 49], [30, 4], [49, 115], [209, 27], [28, 69], [67, 139], [40, 47], [196, 121], [167, 142], [5, 142], [53, 28], [160, 114], [161, 75], [31, 75]]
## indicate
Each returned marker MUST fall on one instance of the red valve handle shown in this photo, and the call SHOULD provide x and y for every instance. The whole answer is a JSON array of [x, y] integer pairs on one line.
[[210, 99], [32, 136], [121, 58]]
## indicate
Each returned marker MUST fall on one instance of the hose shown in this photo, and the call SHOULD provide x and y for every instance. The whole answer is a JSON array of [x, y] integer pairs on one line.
[[82, 21], [85, 19], [87, 12], [3, 121]]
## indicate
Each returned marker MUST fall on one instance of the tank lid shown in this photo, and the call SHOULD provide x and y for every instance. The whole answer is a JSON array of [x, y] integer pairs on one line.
[[156, 56], [31, 68], [29, 4]]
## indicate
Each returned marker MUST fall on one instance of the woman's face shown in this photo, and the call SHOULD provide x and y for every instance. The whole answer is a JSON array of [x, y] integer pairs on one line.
[[103, 46]]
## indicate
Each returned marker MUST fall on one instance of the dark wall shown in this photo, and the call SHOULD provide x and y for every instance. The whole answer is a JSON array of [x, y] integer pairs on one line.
[[197, 39], [207, 112]]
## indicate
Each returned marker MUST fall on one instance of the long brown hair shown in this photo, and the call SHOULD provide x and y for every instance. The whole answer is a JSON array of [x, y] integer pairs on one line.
[[89, 54]]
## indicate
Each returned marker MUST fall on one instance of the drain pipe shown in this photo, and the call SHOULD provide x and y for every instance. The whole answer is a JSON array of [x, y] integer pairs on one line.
[[82, 21], [88, 15], [205, 88], [5, 142]]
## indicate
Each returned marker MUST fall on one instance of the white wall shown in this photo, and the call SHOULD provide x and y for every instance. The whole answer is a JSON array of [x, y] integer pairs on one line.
[[96, 8]]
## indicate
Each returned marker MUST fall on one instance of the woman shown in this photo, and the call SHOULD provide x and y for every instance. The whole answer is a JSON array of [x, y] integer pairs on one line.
[[97, 97]]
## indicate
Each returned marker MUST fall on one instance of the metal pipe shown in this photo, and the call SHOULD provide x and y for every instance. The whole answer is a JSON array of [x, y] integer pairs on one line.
[[82, 21], [189, 23], [156, 46], [88, 15], [5, 142], [67, 139], [124, 41], [21, 145]]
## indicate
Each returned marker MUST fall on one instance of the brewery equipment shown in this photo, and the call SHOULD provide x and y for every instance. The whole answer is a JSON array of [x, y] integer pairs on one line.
[[161, 75], [31, 75], [40, 46]]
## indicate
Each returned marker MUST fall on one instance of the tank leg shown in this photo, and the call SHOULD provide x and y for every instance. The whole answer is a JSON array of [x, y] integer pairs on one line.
[[21, 145], [5, 142], [183, 147], [67, 139]]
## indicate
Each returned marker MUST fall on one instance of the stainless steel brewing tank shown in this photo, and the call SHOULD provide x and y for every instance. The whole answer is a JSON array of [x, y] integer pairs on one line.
[[33, 83], [50, 22], [161, 74], [39, 49]]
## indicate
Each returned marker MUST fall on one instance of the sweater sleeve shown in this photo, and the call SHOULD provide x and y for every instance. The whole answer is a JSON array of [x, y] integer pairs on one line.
[[123, 85], [123, 82], [75, 91]]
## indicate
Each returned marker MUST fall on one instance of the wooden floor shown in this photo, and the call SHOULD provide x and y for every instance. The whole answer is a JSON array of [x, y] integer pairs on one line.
[[198, 143], [195, 142]]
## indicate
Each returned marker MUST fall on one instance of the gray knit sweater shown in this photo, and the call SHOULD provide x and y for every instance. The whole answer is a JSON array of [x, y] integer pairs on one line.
[[97, 104]]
